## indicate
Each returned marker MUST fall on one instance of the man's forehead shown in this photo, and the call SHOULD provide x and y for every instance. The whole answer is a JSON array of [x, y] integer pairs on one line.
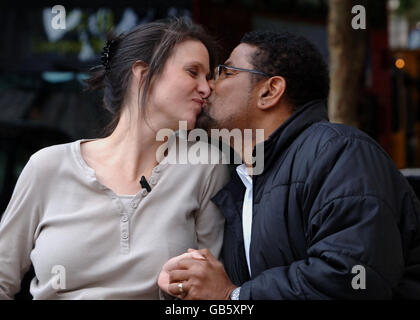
[[241, 56]]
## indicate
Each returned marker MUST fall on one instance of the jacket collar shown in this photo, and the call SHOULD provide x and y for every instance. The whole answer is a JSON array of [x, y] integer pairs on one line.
[[311, 112], [279, 140]]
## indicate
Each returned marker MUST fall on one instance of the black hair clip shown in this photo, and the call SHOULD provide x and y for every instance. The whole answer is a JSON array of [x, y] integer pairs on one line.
[[107, 52]]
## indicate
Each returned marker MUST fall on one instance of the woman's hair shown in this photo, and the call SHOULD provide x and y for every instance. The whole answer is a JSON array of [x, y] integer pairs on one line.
[[151, 43]]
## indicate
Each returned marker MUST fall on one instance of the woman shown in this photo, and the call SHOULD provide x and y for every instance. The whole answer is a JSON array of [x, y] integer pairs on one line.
[[78, 212]]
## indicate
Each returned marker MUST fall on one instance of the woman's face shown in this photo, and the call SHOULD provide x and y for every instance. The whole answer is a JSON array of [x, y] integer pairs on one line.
[[179, 93]]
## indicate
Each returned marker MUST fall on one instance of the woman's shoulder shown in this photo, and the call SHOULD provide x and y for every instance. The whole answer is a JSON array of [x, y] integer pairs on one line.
[[42, 168], [52, 156], [197, 162], [186, 151]]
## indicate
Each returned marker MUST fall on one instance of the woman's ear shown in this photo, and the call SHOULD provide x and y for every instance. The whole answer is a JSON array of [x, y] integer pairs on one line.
[[139, 70], [271, 92]]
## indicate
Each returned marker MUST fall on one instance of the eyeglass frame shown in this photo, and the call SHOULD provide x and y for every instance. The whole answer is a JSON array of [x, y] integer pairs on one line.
[[217, 74]]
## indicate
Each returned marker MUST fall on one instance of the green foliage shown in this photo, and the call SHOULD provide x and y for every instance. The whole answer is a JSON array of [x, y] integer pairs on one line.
[[410, 9]]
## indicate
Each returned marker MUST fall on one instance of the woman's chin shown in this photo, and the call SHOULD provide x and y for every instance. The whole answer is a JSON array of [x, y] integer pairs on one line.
[[190, 123], [187, 122]]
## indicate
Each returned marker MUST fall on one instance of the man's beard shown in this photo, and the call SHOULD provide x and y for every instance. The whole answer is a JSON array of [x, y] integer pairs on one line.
[[205, 121]]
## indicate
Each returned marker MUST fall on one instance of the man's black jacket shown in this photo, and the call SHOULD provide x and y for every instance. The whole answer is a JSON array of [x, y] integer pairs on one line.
[[329, 200]]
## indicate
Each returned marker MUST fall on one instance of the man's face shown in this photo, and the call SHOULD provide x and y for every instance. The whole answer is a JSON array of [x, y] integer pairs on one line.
[[230, 104]]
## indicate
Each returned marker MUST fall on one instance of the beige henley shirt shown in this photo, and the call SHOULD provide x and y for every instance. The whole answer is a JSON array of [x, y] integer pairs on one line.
[[84, 243]]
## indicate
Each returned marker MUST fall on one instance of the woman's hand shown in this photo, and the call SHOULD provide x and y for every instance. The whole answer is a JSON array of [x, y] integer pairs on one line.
[[163, 280]]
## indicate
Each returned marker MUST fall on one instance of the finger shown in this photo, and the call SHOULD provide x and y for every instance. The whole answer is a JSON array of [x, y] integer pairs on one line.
[[197, 255], [207, 254], [173, 289], [163, 280], [187, 263], [171, 263], [188, 296], [179, 275], [181, 296], [194, 253]]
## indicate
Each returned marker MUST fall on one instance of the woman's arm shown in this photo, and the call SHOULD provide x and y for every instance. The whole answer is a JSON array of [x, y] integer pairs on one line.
[[17, 229], [209, 220]]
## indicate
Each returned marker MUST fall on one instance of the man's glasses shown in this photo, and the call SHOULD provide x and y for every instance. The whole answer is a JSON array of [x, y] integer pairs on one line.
[[221, 72]]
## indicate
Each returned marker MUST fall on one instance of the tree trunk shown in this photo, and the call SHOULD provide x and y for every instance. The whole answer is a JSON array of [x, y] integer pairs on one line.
[[347, 49]]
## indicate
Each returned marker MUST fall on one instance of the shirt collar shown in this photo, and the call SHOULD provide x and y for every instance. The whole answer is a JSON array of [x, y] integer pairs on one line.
[[245, 177]]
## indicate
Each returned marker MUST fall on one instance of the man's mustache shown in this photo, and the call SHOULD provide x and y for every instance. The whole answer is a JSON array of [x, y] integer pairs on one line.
[[204, 110]]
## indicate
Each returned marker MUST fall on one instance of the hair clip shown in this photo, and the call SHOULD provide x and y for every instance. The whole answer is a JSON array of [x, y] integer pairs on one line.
[[108, 52], [94, 68]]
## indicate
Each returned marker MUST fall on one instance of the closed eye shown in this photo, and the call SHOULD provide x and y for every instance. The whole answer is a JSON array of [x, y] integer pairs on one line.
[[227, 74], [192, 72]]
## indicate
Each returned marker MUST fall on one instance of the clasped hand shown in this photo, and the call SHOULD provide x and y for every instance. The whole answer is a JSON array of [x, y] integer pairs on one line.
[[195, 275]]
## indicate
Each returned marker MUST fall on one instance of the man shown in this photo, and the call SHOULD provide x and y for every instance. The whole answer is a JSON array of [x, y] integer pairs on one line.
[[329, 217]]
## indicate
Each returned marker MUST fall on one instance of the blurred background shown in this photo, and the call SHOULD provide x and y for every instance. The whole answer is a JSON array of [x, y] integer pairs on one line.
[[374, 67]]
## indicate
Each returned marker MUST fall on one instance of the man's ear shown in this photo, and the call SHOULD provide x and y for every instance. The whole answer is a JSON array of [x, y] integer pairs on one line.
[[271, 92]]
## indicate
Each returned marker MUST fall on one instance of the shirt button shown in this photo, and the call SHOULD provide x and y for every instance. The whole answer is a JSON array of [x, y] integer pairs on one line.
[[152, 181], [144, 192], [157, 170], [124, 219], [134, 205], [124, 235]]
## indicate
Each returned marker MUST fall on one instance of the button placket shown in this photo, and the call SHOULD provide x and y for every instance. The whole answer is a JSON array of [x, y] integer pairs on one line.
[[125, 216], [124, 233], [124, 224]]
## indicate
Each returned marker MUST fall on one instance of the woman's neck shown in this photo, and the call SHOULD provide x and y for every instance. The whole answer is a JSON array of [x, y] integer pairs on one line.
[[131, 147]]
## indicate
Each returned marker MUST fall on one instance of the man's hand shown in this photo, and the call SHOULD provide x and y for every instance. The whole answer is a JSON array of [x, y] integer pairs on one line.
[[201, 279]]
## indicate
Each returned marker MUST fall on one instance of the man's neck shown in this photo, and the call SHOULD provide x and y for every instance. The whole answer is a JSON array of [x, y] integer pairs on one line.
[[269, 123]]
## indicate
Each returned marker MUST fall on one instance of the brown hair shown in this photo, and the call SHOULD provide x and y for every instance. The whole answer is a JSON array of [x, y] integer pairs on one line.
[[151, 43]]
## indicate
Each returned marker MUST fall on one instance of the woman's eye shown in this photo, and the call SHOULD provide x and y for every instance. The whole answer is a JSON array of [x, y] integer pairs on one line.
[[193, 72]]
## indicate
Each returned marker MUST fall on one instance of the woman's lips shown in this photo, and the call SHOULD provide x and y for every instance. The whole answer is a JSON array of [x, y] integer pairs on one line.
[[199, 102]]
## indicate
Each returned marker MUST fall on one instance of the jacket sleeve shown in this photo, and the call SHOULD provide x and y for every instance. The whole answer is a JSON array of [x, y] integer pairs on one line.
[[354, 245], [17, 229]]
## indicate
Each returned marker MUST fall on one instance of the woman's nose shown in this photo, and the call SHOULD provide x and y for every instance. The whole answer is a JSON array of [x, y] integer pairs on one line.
[[204, 89]]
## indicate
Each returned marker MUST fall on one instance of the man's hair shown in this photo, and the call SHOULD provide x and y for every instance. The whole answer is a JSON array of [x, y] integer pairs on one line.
[[293, 58]]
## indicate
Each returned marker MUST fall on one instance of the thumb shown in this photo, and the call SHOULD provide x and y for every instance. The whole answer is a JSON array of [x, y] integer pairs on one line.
[[207, 254], [197, 255]]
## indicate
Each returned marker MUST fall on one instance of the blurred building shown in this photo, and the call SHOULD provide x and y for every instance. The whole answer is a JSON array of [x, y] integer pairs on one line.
[[404, 39]]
